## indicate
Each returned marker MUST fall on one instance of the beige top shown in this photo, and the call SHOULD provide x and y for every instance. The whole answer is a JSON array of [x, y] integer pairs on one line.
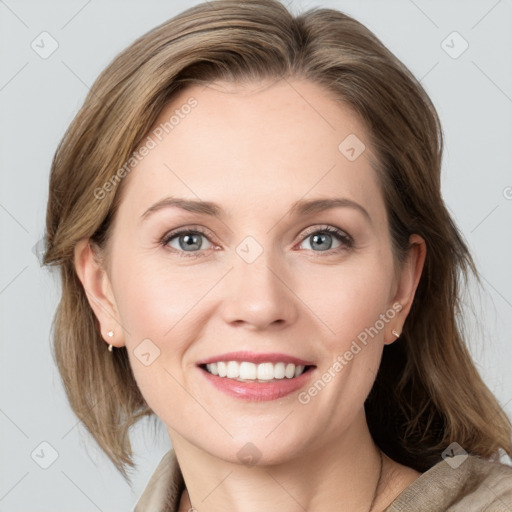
[[476, 485]]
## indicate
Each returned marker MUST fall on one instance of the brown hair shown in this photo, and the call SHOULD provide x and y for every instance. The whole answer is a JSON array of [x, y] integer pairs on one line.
[[428, 392]]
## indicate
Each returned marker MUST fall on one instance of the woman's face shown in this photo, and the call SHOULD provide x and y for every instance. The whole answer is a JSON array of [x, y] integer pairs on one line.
[[287, 264]]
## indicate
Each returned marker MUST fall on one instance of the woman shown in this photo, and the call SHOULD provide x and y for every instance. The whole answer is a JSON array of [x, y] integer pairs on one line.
[[247, 213]]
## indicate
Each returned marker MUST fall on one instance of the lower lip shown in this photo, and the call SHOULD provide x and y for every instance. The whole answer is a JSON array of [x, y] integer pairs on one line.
[[258, 391]]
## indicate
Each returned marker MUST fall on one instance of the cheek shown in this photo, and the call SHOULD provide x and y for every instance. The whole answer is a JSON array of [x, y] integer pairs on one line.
[[355, 307], [158, 296], [161, 311], [348, 299], [163, 308]]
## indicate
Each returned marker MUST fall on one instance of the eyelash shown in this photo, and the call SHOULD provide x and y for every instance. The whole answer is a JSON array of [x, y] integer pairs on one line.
[[346, 240]]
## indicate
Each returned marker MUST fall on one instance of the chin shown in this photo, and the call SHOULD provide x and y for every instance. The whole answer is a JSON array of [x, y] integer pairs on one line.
[[256, 449]]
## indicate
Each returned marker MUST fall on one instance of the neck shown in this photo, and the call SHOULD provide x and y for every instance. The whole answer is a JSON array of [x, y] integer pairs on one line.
[[332, 474]]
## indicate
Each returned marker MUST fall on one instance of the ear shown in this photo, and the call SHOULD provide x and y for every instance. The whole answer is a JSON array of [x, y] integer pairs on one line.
[[407, 283], [99, 293]]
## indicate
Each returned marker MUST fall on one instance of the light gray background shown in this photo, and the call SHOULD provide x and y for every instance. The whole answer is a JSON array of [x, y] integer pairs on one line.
[[39, 97]]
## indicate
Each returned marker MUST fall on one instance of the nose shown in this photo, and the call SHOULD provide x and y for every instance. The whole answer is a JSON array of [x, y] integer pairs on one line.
[[259, 295]]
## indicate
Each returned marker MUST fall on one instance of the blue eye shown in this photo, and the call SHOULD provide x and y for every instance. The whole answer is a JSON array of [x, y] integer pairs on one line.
[[190, 242], [322, 239]]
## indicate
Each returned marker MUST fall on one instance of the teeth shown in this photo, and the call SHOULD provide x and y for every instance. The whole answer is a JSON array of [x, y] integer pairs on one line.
[[213, 369], [279, 371], [265, 371], [222, 369], [250, 371], [290, 371], [233, 370]]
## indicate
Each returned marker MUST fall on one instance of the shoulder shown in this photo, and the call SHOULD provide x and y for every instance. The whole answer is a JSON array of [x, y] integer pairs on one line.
[[163, 490], [459, 484], [486, 486]]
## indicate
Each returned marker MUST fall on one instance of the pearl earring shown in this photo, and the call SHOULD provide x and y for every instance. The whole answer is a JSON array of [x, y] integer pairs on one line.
[[110, 334]]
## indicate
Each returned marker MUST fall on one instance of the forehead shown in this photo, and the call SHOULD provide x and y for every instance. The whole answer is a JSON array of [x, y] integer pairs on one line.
[[246, 144]]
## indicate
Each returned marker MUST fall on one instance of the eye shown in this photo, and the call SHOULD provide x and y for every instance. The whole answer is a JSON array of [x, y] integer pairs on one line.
[[187, 240], [192, 242], [321, 240]]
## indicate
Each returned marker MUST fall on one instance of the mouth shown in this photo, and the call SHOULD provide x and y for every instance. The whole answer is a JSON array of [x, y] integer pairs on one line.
[[246, 371], [257, 377]]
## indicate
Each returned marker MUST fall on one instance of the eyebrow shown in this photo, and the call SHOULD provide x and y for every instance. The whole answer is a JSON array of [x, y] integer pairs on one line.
[[302, 207]]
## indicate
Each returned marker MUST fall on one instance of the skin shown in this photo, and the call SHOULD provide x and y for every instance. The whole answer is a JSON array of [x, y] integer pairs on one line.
[[255, 149]]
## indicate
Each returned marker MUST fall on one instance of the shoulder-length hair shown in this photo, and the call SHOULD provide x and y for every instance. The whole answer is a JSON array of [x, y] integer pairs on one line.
[[428, 392]]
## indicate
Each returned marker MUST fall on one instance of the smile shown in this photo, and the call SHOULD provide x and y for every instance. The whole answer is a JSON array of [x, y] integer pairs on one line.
[[247, 371], [257, 377]]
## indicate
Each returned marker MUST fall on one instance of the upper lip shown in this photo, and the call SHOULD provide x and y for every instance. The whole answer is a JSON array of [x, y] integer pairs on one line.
[[253, 357]]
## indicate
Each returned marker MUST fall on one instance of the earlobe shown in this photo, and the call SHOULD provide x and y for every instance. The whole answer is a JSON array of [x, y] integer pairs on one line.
[[407, 283], [395, 333], [98, 290]]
